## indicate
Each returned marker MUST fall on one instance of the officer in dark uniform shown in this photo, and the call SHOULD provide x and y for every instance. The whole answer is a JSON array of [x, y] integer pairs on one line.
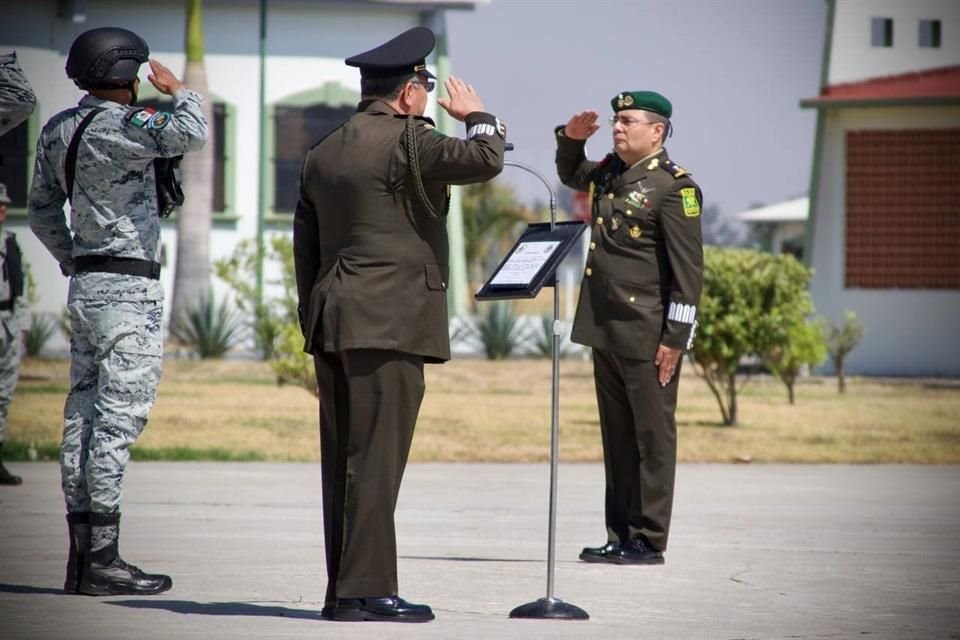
[[637, 310], [371, 256]]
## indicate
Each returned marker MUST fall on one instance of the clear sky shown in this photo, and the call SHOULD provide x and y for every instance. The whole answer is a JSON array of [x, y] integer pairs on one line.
[[735, 71]]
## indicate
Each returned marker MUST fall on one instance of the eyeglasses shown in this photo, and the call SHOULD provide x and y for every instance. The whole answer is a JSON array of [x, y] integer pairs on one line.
[[627, 122], [427, 86]]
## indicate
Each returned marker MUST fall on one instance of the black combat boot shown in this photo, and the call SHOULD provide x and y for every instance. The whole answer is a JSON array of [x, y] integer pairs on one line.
[[79, 525], [5, 476], [104, 571]]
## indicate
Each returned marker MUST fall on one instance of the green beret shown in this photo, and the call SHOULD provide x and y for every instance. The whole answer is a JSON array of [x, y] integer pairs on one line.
[[646, 100]]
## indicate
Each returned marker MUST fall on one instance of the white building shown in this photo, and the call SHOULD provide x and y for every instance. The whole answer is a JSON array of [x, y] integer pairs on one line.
[[781, 226], [308, 89], [883, 234]]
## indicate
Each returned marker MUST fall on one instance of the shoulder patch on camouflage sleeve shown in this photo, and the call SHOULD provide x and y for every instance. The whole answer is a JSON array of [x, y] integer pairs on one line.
[[158, 120], [140, 117], [673, 169]]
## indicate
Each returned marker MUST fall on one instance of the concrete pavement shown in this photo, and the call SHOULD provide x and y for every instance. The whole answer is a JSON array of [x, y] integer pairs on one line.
[[769, 551]]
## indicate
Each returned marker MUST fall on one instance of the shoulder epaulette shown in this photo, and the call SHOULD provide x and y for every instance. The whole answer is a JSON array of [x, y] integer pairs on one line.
[[674, 169]]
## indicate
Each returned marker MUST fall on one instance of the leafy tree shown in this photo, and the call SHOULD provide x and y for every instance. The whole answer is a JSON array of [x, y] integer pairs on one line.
[[751, 300], [804, 345], [274, 321], [841, 340], [267, 318]]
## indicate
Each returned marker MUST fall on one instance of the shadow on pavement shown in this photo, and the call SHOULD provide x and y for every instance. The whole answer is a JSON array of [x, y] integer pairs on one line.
[[456, 559], [23, 588], [218, 608]]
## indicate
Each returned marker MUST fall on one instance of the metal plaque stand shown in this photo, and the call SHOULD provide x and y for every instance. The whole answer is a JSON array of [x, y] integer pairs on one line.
[[550, 607]]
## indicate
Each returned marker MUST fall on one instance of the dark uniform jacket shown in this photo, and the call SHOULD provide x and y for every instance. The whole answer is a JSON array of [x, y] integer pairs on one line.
[[644, 270], [371, 261]]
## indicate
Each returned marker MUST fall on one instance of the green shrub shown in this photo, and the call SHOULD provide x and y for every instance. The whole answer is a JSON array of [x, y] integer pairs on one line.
[[209, 328], [38, 333], [751, 305], [499, 332]]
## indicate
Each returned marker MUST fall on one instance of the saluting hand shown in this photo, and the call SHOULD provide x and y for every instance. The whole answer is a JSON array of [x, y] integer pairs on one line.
[[582, 125], [463, 99], [163, 79], [666, 361]]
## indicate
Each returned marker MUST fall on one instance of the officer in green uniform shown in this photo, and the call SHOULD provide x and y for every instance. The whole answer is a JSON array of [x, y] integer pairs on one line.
[[637, 311], [371, 257]]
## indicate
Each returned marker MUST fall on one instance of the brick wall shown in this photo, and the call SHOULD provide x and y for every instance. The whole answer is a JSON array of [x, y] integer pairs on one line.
[[903, 209]]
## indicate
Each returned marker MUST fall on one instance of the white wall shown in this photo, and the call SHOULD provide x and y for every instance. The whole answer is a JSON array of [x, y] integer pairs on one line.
[[908, 331], [853, 59]]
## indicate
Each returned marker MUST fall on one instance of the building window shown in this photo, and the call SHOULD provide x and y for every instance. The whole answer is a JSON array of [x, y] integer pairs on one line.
[[220, 157], [296, 129], [930, 34], [15, 164], [881, 32], [902, 228]]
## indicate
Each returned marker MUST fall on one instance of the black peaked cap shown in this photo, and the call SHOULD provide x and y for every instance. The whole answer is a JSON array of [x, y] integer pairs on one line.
[[404, 54]]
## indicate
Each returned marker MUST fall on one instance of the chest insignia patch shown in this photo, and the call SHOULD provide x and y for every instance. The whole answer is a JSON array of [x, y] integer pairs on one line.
[[691, 208], [635, 232]]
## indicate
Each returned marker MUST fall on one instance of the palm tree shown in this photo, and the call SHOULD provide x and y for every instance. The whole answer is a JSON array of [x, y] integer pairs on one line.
[[490, 213], [194, 220]]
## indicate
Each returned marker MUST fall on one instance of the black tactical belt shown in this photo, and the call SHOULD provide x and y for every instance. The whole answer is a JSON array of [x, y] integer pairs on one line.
[[6, 305], [126, 266]]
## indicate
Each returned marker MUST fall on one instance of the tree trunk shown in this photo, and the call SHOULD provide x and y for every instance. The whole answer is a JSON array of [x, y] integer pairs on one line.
[[841, 382], [195, 219], [732, 394], [790, 395]]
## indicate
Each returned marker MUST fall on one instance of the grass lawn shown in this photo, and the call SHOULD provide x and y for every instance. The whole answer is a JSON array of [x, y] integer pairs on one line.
[[477, 410]]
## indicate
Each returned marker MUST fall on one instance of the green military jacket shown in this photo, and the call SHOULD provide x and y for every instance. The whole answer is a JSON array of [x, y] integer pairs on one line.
[[644, 270], [371, 259]]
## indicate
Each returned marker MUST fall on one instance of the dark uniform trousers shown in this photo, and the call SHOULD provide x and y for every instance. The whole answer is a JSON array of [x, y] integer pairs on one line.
[[369, 401], [639, 446]]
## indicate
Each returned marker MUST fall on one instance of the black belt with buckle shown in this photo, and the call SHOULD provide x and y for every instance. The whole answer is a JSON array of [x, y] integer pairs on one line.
[[110, 264]]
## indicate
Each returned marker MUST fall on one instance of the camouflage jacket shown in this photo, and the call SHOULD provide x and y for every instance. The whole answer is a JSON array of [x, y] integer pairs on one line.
[[17, 100], [114, 206]]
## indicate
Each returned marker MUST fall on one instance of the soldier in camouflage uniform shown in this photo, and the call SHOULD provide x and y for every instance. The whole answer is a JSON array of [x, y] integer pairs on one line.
[[17, 102], [11, 319], [115, 297], [637, 311]]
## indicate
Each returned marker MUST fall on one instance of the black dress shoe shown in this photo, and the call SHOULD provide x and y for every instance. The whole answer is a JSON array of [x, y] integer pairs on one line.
[[639, 551], [607, 553], [386, 609]]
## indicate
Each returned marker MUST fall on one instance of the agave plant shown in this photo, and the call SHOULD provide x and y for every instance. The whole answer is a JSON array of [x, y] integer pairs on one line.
[[209, 328], [38, 333], [499, 331]]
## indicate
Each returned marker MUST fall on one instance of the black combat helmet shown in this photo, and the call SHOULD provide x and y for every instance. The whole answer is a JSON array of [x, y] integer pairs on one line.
[[106, 57]]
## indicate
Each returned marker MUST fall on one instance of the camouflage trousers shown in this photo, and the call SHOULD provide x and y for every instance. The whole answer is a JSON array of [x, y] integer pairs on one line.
[[9, 368], [116, 349]]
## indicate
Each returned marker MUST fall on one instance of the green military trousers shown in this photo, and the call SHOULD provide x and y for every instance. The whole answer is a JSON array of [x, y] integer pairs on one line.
[[639, 446], [369, 401]]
